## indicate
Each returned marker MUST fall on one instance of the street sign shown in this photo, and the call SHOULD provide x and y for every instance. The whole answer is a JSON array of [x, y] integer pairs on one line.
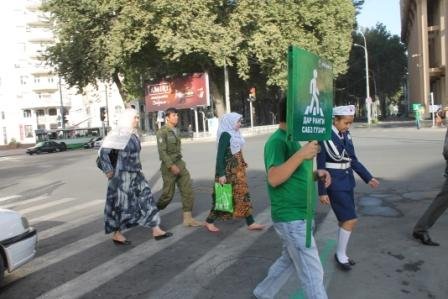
[[310, 96], [310, 109]]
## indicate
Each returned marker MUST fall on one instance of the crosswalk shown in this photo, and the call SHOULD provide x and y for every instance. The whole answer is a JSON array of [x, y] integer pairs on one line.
[[69, 214]]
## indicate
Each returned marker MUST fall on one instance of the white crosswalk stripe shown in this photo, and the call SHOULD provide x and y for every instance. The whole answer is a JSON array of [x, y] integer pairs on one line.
[[45, 205], [188, 285], [6, 198], [90, 280], [76, 208], [24, 202]]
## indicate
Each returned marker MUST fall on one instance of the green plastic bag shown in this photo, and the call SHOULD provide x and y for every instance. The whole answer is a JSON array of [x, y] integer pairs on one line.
[[223, 198]]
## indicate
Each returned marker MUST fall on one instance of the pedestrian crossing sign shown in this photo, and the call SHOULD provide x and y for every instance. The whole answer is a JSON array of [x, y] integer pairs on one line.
[[310, 96]]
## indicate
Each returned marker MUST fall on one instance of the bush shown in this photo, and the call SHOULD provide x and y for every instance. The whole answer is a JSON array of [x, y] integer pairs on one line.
[[14, 143]]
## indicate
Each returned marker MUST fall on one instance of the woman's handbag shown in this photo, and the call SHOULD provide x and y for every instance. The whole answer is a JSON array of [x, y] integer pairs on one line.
[[223, 198]]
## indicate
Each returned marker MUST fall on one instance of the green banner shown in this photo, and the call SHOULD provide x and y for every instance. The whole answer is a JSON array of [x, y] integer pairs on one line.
[[310, 96], [310, 109]]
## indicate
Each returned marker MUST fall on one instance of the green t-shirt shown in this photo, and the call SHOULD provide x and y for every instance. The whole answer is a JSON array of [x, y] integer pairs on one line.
[[288, 200]]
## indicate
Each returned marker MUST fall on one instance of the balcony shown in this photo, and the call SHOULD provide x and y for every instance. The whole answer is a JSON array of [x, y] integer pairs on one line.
[[45, 87], [40, 35], [33, 102]]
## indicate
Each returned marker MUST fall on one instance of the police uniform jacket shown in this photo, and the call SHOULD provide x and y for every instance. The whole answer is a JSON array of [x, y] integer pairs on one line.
[[338, 157], [169, 146]]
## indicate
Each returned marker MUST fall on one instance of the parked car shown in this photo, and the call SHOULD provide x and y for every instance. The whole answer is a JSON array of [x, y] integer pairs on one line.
[[18, 241], [47, 146], [91, 142], [98, 143]]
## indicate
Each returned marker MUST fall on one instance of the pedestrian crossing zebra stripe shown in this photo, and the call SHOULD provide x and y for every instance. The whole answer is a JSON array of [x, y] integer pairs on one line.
[[6, 198], [217, 257], [64, 212], [90, 280], [24, 202], [45, 205], [71, 249]]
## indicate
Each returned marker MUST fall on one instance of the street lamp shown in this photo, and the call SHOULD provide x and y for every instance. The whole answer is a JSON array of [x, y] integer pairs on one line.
[[368, 99]]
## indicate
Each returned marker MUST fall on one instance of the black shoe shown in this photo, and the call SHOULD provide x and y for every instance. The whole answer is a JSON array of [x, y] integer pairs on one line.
[[164, 236], [343, 266], [424, 238], [125, 242]]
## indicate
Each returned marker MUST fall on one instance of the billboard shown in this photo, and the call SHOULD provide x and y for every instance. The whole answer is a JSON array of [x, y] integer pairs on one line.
[[180, 92]]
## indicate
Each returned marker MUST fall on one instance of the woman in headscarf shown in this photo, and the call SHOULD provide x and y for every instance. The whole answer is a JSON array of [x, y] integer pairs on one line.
[[231, 169], [129, 199]]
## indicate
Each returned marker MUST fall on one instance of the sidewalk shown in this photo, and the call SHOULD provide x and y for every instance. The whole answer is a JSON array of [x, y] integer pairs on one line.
[[247, 132]]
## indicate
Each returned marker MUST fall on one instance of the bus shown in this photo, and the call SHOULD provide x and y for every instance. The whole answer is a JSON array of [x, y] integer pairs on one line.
[[73, 138]]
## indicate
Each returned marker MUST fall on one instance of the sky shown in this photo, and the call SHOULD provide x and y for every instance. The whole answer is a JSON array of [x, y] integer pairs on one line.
[[382, 11]]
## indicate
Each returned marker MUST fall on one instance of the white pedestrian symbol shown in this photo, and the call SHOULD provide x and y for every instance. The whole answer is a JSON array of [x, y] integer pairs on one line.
[[314, 108]]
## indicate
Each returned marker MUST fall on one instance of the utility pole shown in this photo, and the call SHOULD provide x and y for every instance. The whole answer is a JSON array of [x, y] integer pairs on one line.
[[62, 104], [226, 88], [107, 105], [368, 99]]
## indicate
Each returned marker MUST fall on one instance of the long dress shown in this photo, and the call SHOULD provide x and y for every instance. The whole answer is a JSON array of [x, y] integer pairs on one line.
[[234, 168], [129, 199]]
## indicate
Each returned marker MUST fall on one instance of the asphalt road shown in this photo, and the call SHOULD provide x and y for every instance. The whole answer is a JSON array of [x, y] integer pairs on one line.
[[62, 194]]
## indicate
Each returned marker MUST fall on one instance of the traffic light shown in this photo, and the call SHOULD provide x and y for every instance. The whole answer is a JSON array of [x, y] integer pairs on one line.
[[252, 95], [102, 113]]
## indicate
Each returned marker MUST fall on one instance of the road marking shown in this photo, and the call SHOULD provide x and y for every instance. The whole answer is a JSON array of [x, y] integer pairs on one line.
[[24, 202], [9, 197], [69, 250], [66, 211], [46, 205], [188, 286], [105, 272]]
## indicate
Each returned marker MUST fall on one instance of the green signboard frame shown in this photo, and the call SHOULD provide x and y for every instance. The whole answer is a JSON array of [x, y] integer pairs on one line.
[[310, 110]]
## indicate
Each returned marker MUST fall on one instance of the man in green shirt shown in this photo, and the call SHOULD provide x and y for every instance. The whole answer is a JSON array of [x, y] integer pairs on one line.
[[287, 166], [173, 168]]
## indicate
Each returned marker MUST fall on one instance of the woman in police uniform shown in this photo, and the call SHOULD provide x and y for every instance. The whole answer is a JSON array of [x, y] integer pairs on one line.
[[339, 158]]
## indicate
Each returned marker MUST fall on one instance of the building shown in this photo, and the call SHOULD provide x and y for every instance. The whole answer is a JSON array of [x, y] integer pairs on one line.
[[423, 30], [32, 96]]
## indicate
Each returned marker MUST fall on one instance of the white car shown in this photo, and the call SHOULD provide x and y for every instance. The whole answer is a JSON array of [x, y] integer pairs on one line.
[[18, 241]]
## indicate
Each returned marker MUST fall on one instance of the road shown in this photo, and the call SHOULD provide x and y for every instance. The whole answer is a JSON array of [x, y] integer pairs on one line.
[[62, 195]]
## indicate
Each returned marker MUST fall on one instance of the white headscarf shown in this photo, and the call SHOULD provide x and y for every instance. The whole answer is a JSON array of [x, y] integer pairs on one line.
[[228, 124], [119, 137]]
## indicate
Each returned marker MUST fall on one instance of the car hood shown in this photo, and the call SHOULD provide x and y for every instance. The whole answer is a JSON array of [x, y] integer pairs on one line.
[[12, 221]]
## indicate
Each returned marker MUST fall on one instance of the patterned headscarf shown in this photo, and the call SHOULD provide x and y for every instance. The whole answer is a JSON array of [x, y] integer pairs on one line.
[[228, 124], [119, 137]]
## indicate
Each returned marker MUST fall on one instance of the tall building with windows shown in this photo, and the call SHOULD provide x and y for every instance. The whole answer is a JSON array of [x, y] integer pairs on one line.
[[423, 30], [32, 96]]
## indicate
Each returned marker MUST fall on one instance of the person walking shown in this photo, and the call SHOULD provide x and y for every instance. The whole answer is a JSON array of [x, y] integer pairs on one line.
[[129, 199], [339, 158], [231, 169], [173, 169], [440, 202], [287, 166]]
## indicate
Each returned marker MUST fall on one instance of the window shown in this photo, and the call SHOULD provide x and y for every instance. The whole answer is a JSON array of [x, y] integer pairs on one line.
[[52, 111], [29, 131], [53, 126], [41, 127], [40, 112], [3, 114], [36, 79], [27, 113], [50, 79], [23, 80]]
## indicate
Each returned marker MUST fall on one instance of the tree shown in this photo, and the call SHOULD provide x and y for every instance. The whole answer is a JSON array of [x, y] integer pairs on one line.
[[387, 68], [132, 41]]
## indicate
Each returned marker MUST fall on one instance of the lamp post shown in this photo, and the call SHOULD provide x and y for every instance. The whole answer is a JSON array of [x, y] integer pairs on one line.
[[368, 99]]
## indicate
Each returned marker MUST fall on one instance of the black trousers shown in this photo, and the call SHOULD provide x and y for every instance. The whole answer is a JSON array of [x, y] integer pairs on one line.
[[434, 211]]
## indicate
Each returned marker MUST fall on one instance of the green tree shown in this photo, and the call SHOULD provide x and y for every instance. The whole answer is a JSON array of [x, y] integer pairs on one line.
[[387, 68], [132, 41]]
